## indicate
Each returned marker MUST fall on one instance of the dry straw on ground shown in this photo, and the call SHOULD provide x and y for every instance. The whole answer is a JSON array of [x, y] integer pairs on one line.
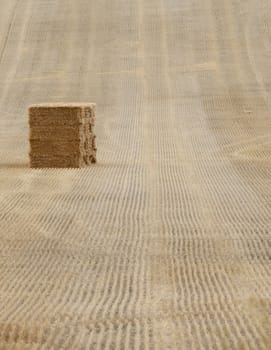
[[165, 244]]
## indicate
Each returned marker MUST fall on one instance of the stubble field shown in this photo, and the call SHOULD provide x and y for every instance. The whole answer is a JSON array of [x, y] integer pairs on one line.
[[165, 243]]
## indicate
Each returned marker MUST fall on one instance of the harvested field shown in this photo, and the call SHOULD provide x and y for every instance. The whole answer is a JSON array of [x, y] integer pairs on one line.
[[165, 243]]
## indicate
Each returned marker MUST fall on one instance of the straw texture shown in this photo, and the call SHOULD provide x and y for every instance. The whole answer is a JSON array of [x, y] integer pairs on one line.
[[61, 136], [165, 242]]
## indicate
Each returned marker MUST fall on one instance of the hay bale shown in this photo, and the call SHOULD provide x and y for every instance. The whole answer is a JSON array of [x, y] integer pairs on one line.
[[61, 135]]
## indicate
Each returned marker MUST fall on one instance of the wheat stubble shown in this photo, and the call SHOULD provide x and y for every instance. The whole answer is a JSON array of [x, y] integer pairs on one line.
[[165, 243]]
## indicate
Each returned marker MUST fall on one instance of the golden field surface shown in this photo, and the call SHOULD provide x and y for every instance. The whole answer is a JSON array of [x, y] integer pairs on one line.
[[165, 243]]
